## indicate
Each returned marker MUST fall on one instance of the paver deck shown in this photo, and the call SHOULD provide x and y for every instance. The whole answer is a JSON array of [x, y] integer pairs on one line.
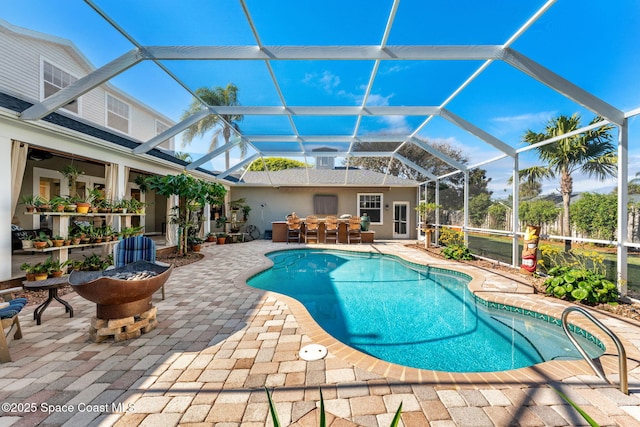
[[219, 343]]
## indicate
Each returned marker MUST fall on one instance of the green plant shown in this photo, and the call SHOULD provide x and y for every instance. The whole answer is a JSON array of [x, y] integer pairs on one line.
[[28, 268], [450, 237], [190, 191], [194, 240], [426, 209], [57, 237], [71, 173], [323, 418], [94, 263], [43, 237], [221, 235], [245, 211], [30, 200], [221, 221], [53, 265], [457, 252], [581, 284], [581, 411]]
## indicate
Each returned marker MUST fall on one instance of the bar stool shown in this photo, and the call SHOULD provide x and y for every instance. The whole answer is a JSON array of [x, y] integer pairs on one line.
[[331, 228]]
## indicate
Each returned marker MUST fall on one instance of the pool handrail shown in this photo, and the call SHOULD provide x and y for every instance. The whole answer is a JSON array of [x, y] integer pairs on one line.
[[622, 354]]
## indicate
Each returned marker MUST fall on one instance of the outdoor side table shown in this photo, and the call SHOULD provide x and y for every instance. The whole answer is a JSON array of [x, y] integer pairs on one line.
[[52, 285]]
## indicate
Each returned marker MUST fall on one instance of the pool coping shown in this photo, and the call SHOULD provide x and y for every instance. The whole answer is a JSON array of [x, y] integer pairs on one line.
[[482, 286]]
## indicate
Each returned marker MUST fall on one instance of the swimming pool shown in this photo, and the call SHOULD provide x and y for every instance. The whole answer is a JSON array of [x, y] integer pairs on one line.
[[412, 315]]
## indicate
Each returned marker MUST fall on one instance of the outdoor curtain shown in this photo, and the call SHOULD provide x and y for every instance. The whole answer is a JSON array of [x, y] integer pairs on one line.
[[18, 164]]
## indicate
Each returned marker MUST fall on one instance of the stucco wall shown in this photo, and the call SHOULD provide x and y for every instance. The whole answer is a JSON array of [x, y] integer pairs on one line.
[[277, 203]]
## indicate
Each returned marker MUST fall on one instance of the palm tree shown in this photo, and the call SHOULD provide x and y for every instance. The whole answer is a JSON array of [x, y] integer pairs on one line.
[[590, 152], [227, 96]]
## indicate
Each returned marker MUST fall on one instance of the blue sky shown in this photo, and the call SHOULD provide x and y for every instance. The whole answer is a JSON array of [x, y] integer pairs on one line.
[[593, 45]]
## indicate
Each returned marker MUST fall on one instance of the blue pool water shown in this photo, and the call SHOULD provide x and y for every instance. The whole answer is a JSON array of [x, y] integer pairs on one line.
[[412, 315]]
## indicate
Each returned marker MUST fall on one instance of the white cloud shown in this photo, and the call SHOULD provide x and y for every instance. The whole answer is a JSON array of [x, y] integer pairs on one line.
[[504, 125], [326, 81]]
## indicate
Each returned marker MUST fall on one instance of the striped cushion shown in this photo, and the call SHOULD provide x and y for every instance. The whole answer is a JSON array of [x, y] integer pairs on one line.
[[134, 249], [13, 309]]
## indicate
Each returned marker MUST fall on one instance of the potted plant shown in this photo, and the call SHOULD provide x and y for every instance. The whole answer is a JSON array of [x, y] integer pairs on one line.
[[245, 212], [94, 263], [211, 237], [30, 202], [27, 242], [83, 203], [71, 173], [195, 242], [57, 241], [55, 268], [58, 203], [43, 205], [221, 222], [30, 271], [41, 271], [42, 241], [221, 238]]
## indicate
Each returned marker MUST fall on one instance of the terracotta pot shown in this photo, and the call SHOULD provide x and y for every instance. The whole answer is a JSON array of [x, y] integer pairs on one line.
[[31, 277], [39, 245], [211, 239], [57, 243], [222, 240], [56, 273], [196, 248]]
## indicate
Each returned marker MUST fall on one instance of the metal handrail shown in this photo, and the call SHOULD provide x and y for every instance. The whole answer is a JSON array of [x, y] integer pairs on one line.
[[622, 354]]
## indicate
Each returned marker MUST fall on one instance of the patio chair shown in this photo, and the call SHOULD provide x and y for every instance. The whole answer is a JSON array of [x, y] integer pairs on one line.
[[311, 225], [331, 228], [293, 228], [134, 249], [9, 310], [354, 233]]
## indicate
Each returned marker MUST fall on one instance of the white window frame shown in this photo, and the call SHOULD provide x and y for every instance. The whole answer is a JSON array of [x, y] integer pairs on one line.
[[170, 141], [106, 113], [381, 195], [42, 82]]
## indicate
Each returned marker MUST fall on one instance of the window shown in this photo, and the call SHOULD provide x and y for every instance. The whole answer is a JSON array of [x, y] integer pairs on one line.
[[325, 205], [117, 114], [55, 79], [371, 203], [161, 127]]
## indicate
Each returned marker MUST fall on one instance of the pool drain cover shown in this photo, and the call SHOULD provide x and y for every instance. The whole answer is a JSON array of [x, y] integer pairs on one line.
[[313, 352]]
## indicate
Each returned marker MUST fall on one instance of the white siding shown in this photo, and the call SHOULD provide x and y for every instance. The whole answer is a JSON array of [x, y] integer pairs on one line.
[[20, 75]]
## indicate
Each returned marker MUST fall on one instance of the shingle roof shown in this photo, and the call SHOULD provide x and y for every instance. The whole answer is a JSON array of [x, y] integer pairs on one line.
[[306, 177]]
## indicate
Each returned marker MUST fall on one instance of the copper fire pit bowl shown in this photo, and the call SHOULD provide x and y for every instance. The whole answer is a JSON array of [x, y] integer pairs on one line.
[[118, 298]]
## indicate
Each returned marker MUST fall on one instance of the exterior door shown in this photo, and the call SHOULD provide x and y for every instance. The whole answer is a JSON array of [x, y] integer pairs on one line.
[[400, 220]]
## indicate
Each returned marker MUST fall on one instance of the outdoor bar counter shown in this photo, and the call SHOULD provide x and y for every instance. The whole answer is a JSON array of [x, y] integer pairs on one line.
[[279, 233]]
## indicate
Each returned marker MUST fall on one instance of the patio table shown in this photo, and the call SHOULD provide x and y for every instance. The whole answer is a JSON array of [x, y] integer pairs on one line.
[[51, 285]]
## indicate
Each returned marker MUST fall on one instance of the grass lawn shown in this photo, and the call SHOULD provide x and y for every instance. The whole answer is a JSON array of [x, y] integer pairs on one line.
[[499, 248]]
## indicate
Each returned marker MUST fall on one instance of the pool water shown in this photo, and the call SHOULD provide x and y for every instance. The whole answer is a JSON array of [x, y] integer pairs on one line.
[[412, 315]]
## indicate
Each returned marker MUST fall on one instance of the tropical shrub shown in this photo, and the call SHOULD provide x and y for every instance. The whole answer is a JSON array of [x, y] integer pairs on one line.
[[580, 285], [450, 237], [457, 252], [577, 276]]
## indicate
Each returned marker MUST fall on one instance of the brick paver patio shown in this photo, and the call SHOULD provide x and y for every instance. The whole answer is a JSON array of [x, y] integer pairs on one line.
[[219, 343]]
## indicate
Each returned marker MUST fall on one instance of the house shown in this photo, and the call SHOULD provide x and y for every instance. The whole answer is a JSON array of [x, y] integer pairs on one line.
[[388, 200], [96, 133]]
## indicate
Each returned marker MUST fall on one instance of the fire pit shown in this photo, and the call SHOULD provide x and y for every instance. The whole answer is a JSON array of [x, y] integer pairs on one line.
[[121, 292]]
